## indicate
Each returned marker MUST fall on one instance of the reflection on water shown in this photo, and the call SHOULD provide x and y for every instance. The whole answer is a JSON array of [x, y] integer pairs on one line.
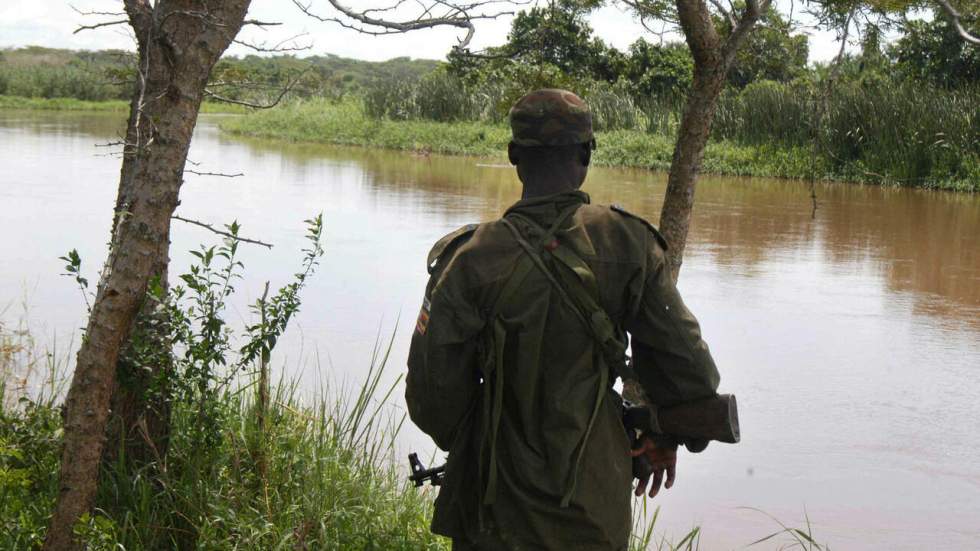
[[851, 337]]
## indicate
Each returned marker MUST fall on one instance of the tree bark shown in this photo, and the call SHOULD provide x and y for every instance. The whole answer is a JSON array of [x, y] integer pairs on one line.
[[713, 56], [692, 137], [179, 42], [138, 429]]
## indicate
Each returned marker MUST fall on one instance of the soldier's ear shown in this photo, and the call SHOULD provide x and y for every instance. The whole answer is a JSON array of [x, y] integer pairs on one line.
[[585, 153], [512, 151]]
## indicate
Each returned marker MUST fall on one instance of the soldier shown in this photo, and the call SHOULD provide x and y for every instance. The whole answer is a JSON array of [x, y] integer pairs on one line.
[[522, 333]]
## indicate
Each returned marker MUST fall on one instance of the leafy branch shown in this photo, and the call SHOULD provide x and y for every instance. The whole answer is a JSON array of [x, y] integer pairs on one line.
[[73, 269]]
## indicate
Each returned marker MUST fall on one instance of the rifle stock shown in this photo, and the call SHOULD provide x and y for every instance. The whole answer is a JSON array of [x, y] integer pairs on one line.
[[714, 418], [695, 423]]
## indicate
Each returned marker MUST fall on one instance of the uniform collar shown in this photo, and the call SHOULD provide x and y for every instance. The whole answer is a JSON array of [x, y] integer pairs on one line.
[[549, 204]]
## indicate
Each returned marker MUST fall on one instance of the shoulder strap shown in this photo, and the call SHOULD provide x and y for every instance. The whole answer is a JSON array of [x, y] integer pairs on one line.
[[448, 243], [656, 233], [581, 292]]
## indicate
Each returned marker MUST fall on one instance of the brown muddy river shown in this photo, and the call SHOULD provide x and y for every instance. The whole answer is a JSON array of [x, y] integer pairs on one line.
[[851, 338]]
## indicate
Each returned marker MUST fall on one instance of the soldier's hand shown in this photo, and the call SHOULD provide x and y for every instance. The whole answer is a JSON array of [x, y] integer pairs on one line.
[[663, 460]]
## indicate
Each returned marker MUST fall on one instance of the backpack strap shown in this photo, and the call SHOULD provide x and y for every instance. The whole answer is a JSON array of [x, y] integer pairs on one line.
[[581, 292], [493, 377]]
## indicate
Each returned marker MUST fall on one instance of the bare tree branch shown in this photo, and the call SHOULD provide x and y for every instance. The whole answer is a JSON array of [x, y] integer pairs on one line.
[[753, 11], [956, 19], [280, 46], [724, 11], [243, 103], [431, 13], [100, 25], [213, 229], [258, 23], [282, 93], [253, 105], [222, 174], [844, 33]]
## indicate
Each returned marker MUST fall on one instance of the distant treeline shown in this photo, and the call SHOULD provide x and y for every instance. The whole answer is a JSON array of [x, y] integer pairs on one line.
[[37, 72]]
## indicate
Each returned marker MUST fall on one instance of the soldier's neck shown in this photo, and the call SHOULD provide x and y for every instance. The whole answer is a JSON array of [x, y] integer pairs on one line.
[[550, 187]]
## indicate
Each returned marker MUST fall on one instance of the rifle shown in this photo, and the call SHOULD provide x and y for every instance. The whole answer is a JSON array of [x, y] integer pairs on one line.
[[420, 474], [692, 423]]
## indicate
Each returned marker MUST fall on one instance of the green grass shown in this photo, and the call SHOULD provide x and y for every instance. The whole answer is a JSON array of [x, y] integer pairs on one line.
[[331, 481], [322, 121], [346, 123], [120, 106]]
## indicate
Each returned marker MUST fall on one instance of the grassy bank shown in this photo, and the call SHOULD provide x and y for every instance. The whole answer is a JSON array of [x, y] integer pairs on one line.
[[347, 124], [330, 483], [111, 105]]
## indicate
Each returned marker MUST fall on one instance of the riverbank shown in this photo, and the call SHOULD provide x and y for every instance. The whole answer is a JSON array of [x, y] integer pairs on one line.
[[111, 106], [321, 121], [321, 489], [319, 474]]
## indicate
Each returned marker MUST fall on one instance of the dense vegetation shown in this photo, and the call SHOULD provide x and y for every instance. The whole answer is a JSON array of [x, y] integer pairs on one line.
[[906, 114], [246, 466], [329, 483], [346, 123], [37, 72]]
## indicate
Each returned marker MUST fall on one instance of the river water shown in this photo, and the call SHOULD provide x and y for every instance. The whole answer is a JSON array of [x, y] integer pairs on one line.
[[851, 337]]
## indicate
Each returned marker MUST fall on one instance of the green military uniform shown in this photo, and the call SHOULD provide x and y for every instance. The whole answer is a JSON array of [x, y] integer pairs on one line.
[[507, 375]]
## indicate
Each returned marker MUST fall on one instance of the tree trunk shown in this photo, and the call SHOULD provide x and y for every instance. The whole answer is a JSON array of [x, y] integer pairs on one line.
[[138, 430], [713, 56], [178, 43], [692, 137]]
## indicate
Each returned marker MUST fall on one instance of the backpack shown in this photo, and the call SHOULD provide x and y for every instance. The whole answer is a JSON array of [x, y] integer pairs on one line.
[[575, 283]]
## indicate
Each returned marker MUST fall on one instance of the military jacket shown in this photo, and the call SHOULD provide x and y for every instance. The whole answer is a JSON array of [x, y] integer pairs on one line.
[[550, 376]]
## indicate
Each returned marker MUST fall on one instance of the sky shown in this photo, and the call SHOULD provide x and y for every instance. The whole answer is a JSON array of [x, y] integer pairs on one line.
[[52, 23]]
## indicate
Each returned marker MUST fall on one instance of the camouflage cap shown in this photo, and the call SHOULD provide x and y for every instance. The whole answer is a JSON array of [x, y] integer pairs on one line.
[[550, 117]]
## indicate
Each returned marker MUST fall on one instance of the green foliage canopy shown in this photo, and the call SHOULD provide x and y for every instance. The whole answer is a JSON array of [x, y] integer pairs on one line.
[[933, 51]]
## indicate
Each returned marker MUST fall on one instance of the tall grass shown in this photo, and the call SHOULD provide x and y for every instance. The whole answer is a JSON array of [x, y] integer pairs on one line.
[[644, 538], [879, 131], [442, 97], [891, 132], [348, 124], [331, 479], [78, 81], [331, 483]]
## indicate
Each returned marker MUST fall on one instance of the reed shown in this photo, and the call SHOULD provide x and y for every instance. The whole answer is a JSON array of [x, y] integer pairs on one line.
[[78, 81], [878, 131]]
